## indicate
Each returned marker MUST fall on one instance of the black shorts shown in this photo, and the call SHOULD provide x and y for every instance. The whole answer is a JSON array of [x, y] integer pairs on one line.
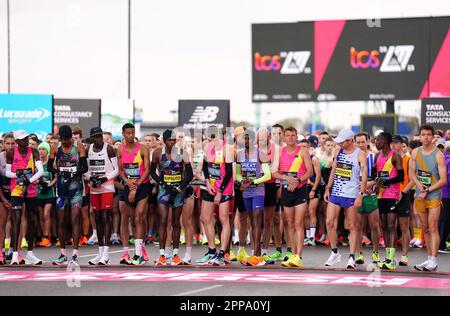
[[43, 202], [386, 206], [142, 192], [86, 200], [152, 198], [31, 203], [403, 208], [238, 199], [188, 192], [317, 194], [297, 197], [210, 198], [270, 194], [7, 195]]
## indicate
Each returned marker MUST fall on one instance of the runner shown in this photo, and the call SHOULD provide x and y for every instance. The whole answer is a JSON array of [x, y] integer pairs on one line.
[[444, 222], [326, 163], [152, 143], [428, 171], [403, 207], [294, 168], [175, 173], [46, 196], [24, 168], [5, 200], [103, 169], [71, 164], [218, 171], [252, 171], [134, 169], [369, 205], [346, 192]]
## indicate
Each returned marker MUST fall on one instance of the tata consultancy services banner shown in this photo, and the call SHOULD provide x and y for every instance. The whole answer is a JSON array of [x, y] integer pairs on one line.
[[84, 113], [30, 112], [115, 113]]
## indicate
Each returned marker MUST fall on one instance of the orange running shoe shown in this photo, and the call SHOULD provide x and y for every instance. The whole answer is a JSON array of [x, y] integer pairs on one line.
[[176, 261], [162, 261], [45, 242], [326, 242]]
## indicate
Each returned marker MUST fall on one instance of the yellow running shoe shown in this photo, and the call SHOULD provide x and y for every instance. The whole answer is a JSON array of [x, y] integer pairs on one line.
[[7, 243], [217, 241], [242, 254], [287, 263], [296, 261], [24, 244], [232, 255]]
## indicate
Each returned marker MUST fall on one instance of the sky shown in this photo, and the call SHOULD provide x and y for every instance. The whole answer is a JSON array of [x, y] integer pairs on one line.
[[179, 50]]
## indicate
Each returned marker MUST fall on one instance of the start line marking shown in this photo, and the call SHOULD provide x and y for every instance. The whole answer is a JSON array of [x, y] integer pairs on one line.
[[372, 280]]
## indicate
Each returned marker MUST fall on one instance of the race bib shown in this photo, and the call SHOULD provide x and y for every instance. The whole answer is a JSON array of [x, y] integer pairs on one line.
[[131, 170], [97, 167], [344, 171], [249, 171], [170, 177], [424, 177], [385, 176], [28, 173], [289, 174], [214, 172]]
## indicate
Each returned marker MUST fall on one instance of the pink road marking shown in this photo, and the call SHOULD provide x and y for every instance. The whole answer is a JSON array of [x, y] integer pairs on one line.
[[374, 279]]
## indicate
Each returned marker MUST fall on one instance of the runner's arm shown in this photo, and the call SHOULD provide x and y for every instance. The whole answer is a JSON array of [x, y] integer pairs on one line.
[[316, 166], [440, 160], [145, 156], [189, 175], [39, 167], [412, 170], [308, 164], [266, 176], [154, 165], [9, 160], [333, 170], [400, 172], [363, 166], [229, 158], [237, 174], [115, 163]]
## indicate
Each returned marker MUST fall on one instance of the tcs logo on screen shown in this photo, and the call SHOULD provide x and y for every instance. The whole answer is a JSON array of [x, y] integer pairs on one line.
[[394, 58], [291, 62]]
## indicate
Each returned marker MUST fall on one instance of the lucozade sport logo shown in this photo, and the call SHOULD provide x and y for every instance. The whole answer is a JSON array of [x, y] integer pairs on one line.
[[291, 62], [396, 58]]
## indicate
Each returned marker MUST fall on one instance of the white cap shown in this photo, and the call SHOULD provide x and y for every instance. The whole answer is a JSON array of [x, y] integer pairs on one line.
[[447, 144], [20, 134], [440, 141], [300, 137], [378, 132], [344, 135]]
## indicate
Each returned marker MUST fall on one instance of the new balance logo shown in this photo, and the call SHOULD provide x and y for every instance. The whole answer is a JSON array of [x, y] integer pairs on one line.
[[295, 62], [204, 114], [397, 58]]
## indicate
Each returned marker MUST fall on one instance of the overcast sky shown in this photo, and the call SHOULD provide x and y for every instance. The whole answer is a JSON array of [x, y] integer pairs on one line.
[[180, 50]]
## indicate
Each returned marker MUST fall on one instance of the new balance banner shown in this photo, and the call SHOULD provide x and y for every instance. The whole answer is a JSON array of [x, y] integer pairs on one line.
[[385, 122], [282, 62], [84, 113], [30, 112], [200, 114], [436, 112], [356, 60]]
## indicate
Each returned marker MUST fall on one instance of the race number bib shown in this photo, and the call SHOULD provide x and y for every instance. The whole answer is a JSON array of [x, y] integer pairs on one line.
[[172, 177], [344, 171], [424, 177], [131, 170], [214, 172], [385, 176], [97, 167], [289, 174], [28, 173], [249, 171]]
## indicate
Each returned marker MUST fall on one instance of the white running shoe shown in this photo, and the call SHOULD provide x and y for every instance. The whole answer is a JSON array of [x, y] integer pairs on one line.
[[94, 261], [104, 260], [93, 240], [351, 264], [334, 258], [418, 243], [235, 240], [422, 265], [32, 260], [431, 266], [412, 242]]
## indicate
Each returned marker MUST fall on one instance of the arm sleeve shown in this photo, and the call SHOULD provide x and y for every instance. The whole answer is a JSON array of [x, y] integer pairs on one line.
[[115, 172], [205, 170], [398, 179], [153, 173], [238, 175], [83, 165], [50, 164], [266, 176], [9, 173], [228, 175], [188, 176], [39, 173]]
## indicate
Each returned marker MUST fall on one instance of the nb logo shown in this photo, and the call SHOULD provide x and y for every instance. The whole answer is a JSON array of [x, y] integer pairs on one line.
[[204, 114]]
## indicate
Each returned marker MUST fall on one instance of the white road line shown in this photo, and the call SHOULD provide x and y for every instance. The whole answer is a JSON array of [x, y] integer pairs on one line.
[[94, 254], [199, 290]]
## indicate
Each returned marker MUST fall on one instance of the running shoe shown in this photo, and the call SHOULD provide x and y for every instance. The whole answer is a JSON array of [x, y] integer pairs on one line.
[[94, 261], [232, 255], [446, 250], [62, 259], [149, 239], [125, 259], [287, 256], [218, 261], [375, 257], [382, 243], [326, 242], [366, 241], [276, 256], [422, 265], [161, 261], [115, 240], [217, 241], [131, 240], [32, 260], [333, 259], [203, 240], [2, 259], [235, 240], [418, 244], [351, 264], [93, 240], [9, 255], [322, 238], [176, 261], [305, 242], [186, 261], [69, 242], [431, 266], [412, 242], [359, 258], [138, 260], [18, 261], [248, 240], [182, 238], [104, 261], [295, 261], [256, 261], [45, 242], [242, 254], [267, 259], [387, 265], [74, 261], [206, 259], [311, 242], [144, 253], [404, 261], [24, 244], [83, 241]]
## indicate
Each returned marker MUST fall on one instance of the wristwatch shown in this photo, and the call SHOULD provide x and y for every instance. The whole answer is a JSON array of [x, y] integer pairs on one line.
[[361, 193]]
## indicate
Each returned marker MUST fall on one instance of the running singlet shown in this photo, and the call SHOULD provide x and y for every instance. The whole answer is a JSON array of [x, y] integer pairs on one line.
[[386, 170], [171, 171], [100, 165], [346, 177], [196, 159], [47, 177], [251, 169], [216, 169], [5, 181], [405, 161], [67, 184], [292, 165], [132, 163], [24, 165], [427, 172]]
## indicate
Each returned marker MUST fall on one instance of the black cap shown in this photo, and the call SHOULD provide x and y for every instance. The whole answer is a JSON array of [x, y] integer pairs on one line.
[[313, 140], [96, 131], [398, 138], [65, 132], [167, 135]]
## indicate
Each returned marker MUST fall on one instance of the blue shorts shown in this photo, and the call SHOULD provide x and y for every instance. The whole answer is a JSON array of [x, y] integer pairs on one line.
[[166, 199], [342, 201], [254, 203]]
